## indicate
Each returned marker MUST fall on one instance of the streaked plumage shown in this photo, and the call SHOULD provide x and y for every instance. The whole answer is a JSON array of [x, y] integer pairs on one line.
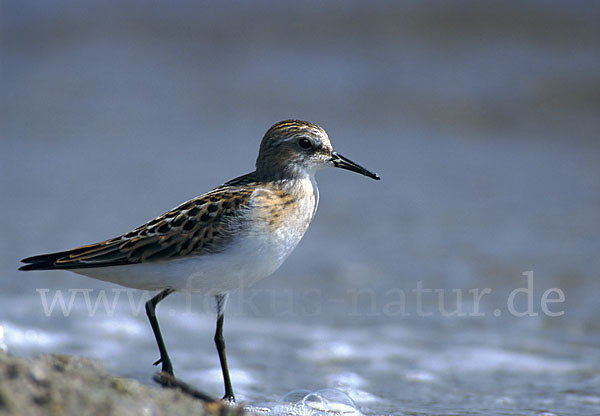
[[230, 237]]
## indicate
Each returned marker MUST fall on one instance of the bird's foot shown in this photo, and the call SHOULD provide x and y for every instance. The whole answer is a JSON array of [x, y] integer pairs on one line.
[[167, 367], [169, 381], [165, 379], [228, 398]]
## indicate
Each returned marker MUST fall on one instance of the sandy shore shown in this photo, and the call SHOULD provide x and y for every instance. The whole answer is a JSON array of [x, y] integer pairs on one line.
[[69, 385]]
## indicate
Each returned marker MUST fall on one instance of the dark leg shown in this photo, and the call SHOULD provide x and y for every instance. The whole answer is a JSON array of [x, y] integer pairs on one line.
[[167, 367], [220, 343]]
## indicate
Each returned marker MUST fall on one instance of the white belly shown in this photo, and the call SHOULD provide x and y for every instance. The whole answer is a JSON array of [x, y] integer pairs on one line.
[[247, 260]]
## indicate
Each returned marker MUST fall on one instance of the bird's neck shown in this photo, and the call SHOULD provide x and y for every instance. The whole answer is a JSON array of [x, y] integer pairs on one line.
[[287, 175]]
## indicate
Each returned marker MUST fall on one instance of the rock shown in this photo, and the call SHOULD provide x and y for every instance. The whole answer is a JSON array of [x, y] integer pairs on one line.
[[59, 385]]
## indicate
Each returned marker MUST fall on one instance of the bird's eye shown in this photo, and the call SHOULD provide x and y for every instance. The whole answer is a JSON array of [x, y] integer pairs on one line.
[[305, 143]]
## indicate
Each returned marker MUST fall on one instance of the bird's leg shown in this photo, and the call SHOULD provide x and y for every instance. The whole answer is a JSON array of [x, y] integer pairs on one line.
[[167, 367], [220, 343]]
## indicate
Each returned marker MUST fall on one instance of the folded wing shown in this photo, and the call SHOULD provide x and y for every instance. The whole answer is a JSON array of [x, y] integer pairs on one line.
[[199, 226]]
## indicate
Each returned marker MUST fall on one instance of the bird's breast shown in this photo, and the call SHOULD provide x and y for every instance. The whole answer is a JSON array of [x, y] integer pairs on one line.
[[282, 216]]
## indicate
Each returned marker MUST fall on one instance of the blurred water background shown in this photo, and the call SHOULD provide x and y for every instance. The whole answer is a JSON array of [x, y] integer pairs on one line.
[[482, 118]]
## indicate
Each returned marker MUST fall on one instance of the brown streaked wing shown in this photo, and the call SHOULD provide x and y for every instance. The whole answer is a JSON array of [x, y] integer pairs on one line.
[[199, 226]]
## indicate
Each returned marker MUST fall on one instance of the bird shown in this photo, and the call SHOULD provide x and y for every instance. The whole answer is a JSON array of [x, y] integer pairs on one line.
[[228, 238]]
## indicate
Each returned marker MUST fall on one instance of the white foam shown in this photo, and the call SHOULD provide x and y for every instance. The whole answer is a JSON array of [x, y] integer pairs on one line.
[[420, 376], [30, 338], [483, 359], [325, 402]]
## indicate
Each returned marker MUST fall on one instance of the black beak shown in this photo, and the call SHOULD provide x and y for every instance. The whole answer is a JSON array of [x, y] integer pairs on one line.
[[340, 161]]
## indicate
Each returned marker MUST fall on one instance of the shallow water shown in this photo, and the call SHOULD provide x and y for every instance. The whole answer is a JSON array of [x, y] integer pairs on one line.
[[482, 123]]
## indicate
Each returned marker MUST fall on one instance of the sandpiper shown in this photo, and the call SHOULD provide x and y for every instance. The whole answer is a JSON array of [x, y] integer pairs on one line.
[[230, 237]]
